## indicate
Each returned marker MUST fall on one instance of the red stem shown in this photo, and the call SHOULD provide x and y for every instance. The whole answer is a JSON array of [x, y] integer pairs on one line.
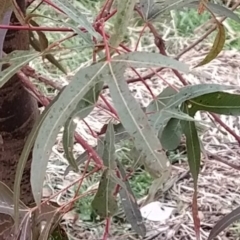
[[107, 228]]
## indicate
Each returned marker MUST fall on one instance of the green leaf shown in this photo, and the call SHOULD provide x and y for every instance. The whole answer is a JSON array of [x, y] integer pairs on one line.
[[87, 103], [84, 107], [84, 156], [108, 156], [104, 203], [217, 102], [160, 119], [55, 62], [130, 206], [68, 100], [147, 59], [77, 16], [217, 46], [194, 91], [194, 160], [68, 141], [171, 134], [193, 145], [161, 101], [136, 123], [120, 133], [17, 59], [225, 222]]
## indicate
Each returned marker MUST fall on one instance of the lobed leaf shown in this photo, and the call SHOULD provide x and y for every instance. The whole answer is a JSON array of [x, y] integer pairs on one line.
[[161, 101]]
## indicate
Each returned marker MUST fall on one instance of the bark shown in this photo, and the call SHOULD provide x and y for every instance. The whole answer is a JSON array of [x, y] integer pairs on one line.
[[18, 112]]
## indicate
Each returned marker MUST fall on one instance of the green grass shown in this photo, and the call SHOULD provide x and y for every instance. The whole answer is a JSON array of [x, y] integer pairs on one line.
[[83, 205], [186, 22]]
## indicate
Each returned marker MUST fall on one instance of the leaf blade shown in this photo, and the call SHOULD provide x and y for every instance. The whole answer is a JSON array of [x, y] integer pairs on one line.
[[224, 223], [147, 59], [136, 123], [58, 114], [104, 203], [76, 16], [130, 205], [217, 46], [218, 102]]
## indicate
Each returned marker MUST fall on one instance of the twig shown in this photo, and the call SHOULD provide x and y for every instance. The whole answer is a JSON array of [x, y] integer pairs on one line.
[[215, 157], [30, 72]]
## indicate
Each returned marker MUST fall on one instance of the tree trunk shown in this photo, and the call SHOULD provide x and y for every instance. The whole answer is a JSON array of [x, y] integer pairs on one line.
[[18, 112]]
